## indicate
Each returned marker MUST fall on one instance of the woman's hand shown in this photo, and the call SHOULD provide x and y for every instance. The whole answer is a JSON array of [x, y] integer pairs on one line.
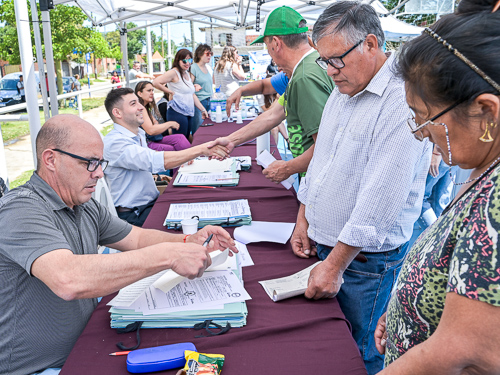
[[197, 87], [204, 114], [173, 125]]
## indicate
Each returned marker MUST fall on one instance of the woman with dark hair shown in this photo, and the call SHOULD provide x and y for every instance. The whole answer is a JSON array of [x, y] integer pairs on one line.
[[201, 76], [228, 71], [177, 83], [444, 314], [157, 131]]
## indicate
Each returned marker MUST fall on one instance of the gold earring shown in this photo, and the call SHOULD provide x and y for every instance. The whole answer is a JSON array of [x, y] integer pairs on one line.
[[486, 137]]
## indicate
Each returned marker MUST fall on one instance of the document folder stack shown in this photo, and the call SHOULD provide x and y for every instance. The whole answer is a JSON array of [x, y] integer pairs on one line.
[[218, 295], [213, 172], [225, 213]]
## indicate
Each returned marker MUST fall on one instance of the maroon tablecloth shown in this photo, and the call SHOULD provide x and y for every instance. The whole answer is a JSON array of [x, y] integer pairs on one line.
[[295, 336]]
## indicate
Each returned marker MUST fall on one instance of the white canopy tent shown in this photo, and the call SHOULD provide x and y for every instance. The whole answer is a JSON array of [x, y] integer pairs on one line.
[[227, 13]]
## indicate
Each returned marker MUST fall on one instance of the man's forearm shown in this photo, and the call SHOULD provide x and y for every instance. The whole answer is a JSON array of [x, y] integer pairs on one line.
[[300, 163], [173, 159], [341, 256]]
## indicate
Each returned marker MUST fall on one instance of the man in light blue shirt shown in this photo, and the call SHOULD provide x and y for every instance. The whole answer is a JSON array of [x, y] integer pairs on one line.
[[131, 162], [364, 186]]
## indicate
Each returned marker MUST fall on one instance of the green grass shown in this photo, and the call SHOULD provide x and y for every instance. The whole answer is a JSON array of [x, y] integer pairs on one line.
[[25, 176], [107, 129], [14, 130]]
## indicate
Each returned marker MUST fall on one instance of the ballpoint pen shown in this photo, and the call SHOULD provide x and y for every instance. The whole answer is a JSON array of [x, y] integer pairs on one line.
[[208, 240]]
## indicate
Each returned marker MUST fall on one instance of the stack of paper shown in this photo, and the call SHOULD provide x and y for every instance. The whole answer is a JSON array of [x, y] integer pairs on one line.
[[212, 172], [225, 213], [218, 295]]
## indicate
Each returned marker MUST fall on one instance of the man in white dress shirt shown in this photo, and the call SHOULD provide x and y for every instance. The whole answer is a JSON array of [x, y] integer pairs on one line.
[[131, 161], [364, 186]]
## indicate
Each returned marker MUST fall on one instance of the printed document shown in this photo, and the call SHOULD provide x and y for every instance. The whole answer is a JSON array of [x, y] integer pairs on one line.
[[214, 288], [209, 210], [207, 178]]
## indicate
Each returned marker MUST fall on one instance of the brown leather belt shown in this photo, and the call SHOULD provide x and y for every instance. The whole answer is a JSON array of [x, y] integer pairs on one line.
[[359, 257], [123, 209]]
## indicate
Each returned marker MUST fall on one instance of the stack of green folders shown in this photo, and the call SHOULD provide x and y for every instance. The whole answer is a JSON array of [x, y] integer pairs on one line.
[[225, 213], [234, 313]]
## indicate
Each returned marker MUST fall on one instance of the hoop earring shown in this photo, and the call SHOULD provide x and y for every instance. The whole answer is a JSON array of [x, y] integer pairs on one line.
[[486, 137]]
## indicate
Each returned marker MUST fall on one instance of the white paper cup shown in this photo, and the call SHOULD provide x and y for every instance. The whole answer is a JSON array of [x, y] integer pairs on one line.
[[239, 120], [189, 226]]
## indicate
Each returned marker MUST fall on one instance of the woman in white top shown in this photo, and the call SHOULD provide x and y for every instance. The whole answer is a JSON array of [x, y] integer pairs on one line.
[[228, 71], [177, 83]]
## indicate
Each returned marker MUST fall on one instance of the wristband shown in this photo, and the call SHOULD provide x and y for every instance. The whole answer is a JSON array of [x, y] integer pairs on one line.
[[436, 153], [185, 237]]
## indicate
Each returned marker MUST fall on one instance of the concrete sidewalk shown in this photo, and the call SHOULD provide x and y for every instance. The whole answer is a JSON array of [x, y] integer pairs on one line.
[[19, 155]]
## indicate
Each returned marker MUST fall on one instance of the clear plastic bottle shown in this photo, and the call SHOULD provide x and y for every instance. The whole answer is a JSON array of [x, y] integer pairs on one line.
[[218, 99], [243, 109]]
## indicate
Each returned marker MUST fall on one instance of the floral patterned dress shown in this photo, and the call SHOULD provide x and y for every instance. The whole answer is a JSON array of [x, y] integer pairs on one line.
[[458, 253]]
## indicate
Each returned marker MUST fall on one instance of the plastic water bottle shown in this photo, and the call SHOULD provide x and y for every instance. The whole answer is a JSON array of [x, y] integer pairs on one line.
[[218, 100], [243, 109]]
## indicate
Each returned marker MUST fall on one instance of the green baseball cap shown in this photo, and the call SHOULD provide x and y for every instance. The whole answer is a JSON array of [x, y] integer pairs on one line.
[[282, 21]]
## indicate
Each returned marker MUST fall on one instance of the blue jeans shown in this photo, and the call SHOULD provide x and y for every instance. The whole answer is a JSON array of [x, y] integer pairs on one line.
[[364, 296], [197, 120], [185, 122]]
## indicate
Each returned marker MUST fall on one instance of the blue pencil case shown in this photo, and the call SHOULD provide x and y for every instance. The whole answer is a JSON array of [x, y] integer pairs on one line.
[[159, 358]]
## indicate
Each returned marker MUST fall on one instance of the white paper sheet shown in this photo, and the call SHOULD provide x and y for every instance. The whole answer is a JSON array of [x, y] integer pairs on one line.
[[207, 166], [171, 278], [259, 231], [212, 289], [243, 255], [265, 159], [129, 294]]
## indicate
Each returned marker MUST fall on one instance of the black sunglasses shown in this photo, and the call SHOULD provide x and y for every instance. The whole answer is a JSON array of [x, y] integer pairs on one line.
[[336, 61], [92, 164]]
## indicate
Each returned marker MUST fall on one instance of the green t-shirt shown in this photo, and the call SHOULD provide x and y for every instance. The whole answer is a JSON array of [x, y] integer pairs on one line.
[[304, 100], [204, 80], [459, 253]]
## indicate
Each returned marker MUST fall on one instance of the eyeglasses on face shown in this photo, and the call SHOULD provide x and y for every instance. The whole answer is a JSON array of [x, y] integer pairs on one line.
[[187, 61], [336, 61], [92, 164], [416, 128]]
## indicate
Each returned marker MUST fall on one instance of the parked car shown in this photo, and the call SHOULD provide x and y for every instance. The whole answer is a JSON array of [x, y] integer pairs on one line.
[[68, 83], [9, 94]]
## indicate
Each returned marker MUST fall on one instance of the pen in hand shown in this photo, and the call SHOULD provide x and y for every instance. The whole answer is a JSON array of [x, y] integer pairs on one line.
[[208, 240]]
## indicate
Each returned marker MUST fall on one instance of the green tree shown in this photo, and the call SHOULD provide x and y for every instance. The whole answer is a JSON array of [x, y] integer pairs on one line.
[[67, 29]]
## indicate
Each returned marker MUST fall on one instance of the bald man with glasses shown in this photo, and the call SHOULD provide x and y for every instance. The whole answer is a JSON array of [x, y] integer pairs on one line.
[[50, 272]]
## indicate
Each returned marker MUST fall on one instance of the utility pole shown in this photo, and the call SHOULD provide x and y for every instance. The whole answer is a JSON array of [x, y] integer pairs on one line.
[[192, 36]]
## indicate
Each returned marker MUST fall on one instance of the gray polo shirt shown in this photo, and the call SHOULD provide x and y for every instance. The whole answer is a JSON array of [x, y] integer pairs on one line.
[[37, 328]]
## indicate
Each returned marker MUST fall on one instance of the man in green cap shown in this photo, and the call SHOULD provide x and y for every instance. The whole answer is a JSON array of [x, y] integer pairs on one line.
[[285, 35]]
